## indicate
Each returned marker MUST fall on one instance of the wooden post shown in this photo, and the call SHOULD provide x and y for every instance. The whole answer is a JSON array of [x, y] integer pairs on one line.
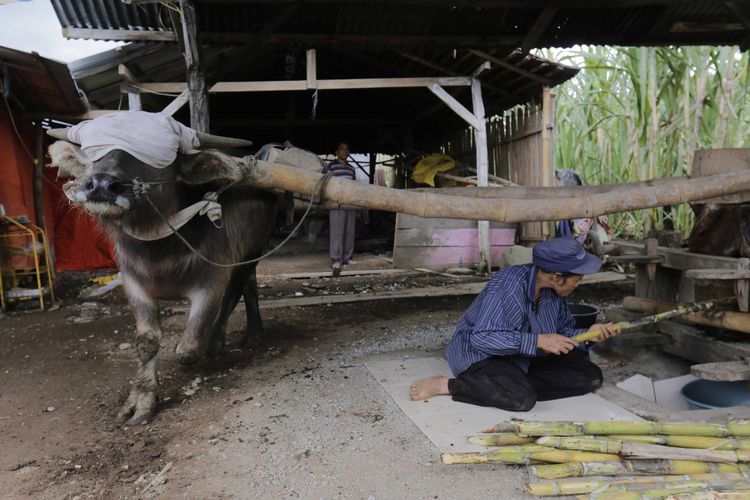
[[311, 69], [38, 173], [134, 99], [548, 159], [373, 164], [742, 287], [196, 79], [134, 94], [483, 226]]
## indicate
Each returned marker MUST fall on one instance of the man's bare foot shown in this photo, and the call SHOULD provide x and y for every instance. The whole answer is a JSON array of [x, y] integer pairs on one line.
[[425, 388]]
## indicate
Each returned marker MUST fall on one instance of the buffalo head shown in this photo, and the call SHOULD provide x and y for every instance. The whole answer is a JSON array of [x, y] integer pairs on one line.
[[114, 159]]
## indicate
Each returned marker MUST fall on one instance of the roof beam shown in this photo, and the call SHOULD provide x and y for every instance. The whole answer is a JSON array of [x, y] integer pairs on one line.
[[124, 35], [318, 40], [456, 106], [177, 103], [443, 69], [329, 123], [127, 75], [521, 4], [295, 85], [741, 13], [511, 67], [539, 28]]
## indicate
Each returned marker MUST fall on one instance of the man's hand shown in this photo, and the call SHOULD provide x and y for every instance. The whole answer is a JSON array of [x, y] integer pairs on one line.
[[554, 343], [608, 330]]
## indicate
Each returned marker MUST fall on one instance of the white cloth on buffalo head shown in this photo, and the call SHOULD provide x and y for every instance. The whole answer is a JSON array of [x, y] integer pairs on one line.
[[153, 138]]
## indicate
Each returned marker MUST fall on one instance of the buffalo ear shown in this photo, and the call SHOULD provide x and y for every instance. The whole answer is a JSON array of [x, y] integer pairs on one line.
[[209, 166], [69, 159]]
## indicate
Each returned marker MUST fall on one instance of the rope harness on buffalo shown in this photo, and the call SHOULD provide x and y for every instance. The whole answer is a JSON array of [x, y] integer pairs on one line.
[[250, 162]]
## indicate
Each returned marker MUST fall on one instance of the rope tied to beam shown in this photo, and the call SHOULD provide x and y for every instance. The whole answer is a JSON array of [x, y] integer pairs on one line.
[[319, 189]]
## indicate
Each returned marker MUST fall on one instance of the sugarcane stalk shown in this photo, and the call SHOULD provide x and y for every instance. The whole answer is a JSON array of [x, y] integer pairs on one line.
[[511, 458], [565, 456], [655, 451], [502, 455], [559, 488], [710, 495], [499, 439], [739, 428], [633, 467], [654, 318], [581, 444], [519, 455], [666, 490], [645, 451], [684, 441]]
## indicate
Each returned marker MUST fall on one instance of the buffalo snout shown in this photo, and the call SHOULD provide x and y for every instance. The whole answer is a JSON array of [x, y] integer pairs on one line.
[[103, 188]]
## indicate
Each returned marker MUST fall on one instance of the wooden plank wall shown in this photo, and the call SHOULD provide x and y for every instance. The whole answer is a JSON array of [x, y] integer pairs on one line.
[[514, 142], [444, 243]]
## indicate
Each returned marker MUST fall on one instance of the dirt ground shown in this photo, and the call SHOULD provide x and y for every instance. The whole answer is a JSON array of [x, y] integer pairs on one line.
[[295, 416]]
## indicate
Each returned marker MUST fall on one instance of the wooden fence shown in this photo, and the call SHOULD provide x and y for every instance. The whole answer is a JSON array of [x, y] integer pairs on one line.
[[520, 150]]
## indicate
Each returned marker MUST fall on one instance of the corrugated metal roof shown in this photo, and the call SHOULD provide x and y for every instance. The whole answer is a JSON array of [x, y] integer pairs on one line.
[[419, 23], [44, 86]]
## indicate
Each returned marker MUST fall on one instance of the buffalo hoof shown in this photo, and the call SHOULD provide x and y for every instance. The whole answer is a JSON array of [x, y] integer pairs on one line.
[[216, 349], [188, 353], [138, 409], [188, 358], [252, 339]]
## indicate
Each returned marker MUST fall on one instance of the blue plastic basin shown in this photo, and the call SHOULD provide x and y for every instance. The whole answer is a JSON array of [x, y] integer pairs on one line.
[[707, 394]]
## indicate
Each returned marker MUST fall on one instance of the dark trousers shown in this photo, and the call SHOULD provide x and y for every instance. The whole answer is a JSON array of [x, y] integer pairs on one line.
[[499, 382], [342, 235]]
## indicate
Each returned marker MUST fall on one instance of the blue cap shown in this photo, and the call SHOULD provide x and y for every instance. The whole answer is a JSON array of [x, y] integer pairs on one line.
[[565, 255]]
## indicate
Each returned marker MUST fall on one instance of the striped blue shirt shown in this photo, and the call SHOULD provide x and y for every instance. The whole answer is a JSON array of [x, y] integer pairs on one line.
[[505, 321], [342, 170]]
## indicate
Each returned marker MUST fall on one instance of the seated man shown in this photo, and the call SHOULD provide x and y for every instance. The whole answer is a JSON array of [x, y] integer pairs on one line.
[[500, 351]]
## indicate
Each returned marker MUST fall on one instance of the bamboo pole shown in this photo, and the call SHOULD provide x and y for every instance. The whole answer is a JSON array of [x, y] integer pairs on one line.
[[426, 204], [524, 456], [499, 439], [731, 320], [645, 450], [568, 428], [633, 467], [559, 488], [685, 441]]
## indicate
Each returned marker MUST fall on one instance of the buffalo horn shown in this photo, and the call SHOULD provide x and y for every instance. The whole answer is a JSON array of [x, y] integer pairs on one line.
[[59, 133], [217, 141]]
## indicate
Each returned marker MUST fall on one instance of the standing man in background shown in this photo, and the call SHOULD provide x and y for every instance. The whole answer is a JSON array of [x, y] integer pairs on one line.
[[342, 221]]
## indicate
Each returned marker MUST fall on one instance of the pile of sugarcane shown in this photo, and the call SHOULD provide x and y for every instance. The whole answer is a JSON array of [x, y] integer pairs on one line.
[[622, 460]]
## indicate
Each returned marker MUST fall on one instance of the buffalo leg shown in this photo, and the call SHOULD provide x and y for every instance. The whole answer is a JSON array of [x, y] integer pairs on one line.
[[254, 327], [219, 332], [141, 402], [205, 305]]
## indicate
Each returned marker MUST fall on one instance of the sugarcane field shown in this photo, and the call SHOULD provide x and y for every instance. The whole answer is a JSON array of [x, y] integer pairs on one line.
[[375, 249]]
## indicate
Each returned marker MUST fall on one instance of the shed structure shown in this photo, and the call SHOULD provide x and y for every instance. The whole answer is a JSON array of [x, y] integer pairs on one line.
[[320, 71]]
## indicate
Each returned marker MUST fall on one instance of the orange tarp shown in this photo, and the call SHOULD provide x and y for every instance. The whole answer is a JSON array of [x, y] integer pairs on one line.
[[78, 243]]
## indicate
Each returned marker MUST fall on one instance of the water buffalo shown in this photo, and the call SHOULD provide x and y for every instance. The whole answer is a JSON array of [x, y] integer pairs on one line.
[[128, 169]]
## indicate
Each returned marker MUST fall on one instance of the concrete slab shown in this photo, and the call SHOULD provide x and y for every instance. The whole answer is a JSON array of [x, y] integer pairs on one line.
[[447, 423]]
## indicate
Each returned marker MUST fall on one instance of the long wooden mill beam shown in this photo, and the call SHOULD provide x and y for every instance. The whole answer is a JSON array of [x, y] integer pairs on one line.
[[428, 204]]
